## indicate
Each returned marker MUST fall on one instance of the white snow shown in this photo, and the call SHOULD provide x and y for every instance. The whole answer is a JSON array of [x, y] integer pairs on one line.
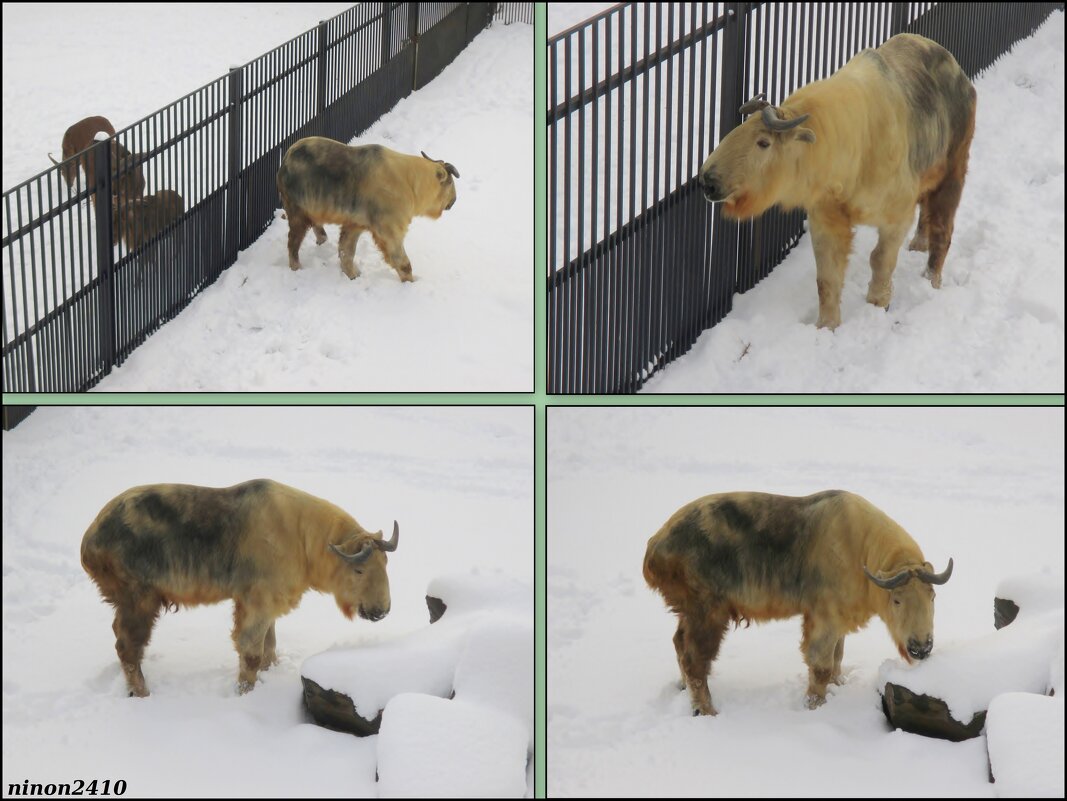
[[432, 659], [434, 748], [996, 325], [984, 486], [456, 479], [968, 675], [1025, 734]]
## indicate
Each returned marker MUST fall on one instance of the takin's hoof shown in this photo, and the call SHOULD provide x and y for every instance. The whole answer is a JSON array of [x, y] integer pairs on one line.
[[244, 687], [828, 323], [708, 711], [143, 693], [935, 278], [814, 701]]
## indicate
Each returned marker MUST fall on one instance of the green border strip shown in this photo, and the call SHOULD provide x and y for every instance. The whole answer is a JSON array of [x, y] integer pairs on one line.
[[539, 398]]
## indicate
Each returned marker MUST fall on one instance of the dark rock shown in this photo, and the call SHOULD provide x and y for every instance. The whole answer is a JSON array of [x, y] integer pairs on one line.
[[926, 715], [1004, 612], [336, 711], [436, 606]]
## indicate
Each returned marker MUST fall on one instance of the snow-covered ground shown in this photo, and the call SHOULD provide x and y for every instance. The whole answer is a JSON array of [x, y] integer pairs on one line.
[[458, 480], [983, 486], [466, 324], [996, 324]]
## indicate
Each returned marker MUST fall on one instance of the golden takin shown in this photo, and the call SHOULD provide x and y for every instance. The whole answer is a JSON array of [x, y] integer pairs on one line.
[[361, 188], [888, 131]]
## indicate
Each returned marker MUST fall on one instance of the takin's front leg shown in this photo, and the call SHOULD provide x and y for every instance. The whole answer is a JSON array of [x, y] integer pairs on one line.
[[884, 261], [831, 237], [249, 637], [390, 240], [819, 646]]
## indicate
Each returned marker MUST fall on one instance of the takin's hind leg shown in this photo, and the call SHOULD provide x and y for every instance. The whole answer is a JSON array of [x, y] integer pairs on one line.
[[135, 615], [679, 650], [346, 248], [942, 202], [920, 242], [839, 654], [249, 637], [270, 648], [884, 261], [700, 645], [819, 646], [298, 228]]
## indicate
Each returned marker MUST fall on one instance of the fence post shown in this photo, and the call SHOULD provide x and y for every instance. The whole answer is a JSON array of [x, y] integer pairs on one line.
[[387, 32], [235, 213], [725, 233], [899, 19], [105, 252], [413, 36], [320, 95]]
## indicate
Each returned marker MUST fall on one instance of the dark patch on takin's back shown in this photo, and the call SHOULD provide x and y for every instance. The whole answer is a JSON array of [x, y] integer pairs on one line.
[[191, 531], [761, 542], [714, 559], [335, 171]]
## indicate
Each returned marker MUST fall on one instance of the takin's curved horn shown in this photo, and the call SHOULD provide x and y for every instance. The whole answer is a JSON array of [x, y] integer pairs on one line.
[[774, 123], [53, 159], [451, 170], [389, 544], [890, 583], [354, 558], [935, 578], [755, 104]]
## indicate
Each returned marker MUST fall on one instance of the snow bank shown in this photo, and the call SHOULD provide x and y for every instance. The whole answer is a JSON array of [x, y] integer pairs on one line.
[[432, 748]]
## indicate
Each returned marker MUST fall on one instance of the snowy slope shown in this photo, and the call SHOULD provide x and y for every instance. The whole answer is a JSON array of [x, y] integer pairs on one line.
[[465, 324]]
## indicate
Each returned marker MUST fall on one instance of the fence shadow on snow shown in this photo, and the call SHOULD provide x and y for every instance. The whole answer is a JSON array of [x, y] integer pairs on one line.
[[639, 263], [89, 273]]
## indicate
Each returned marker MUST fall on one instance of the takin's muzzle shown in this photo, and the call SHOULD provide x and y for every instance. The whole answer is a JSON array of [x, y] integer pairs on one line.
[[712, 187]]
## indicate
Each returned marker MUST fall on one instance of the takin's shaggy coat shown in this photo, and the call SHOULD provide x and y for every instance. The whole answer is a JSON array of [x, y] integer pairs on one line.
[[261, 543], [361, 188], [832, 557], [888, 131]]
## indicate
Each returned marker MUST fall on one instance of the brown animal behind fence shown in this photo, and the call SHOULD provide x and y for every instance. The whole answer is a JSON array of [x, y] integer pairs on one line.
[[79, 139]]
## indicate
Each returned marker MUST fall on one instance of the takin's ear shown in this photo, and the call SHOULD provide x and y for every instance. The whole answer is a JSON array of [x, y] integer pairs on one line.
[[805, 135]]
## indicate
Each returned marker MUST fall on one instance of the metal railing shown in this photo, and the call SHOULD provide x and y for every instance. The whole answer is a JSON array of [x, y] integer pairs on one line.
[[92, 269], [639, 264]]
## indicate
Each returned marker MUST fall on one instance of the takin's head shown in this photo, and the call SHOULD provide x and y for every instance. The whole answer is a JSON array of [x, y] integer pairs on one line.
[[440, 195], [756, 161], [361, 583], [907, 607]]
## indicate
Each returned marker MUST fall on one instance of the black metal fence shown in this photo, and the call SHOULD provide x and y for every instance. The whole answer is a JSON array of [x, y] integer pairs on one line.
[[91, 269], [639, 263]]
